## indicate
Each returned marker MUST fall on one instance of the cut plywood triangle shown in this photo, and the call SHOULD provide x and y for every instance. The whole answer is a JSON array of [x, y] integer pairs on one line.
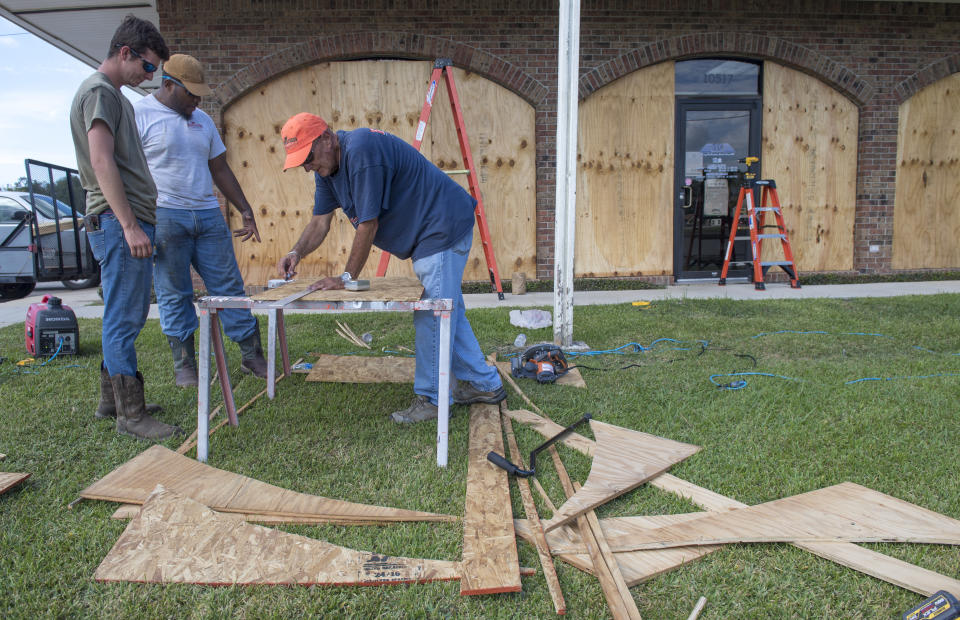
[[8, 480], [177, 540], [636, 566], [490, 563], [844, 512], [226, 491], [623, 460], [359, 369]]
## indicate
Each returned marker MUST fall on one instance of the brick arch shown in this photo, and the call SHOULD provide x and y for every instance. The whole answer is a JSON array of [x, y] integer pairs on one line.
[[744, 45], [930, 74], [350, 46]]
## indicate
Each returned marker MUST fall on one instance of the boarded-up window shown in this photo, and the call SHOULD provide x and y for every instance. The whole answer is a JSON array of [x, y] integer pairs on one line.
[[926, 212], [387, 95]]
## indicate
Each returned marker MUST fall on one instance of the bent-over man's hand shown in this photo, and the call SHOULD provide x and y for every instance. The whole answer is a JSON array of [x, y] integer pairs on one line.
[[249, 228], [327, 284], [138, 241], [287, 265]]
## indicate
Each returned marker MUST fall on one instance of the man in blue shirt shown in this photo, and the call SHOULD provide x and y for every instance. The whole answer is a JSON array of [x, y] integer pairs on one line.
[[403, 204]]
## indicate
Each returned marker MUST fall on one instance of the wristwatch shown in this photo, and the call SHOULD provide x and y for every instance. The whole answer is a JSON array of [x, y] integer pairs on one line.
[[346, 277]]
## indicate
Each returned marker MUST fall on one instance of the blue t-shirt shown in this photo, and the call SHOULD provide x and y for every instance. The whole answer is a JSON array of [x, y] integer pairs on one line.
[[421, 211]]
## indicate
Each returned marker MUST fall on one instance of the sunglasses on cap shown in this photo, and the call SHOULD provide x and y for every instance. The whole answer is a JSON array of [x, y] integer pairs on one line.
[[180, 84], [148, 66]]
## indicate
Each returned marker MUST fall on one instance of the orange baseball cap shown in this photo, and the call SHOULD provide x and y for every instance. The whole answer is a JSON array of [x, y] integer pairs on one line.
[[298, 134]]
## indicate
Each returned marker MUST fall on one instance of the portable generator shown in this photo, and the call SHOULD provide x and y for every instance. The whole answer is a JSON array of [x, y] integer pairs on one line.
[[51, 328]]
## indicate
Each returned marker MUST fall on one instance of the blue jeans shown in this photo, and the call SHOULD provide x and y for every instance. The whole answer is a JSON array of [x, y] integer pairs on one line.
[[197, 237], [126, 293], [441, 275]]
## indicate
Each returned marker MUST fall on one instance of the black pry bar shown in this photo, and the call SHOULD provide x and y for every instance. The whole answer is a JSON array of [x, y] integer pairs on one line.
[[515, 470]]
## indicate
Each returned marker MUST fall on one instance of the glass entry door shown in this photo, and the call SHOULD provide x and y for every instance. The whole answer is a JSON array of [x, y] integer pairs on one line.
[[712, 136]]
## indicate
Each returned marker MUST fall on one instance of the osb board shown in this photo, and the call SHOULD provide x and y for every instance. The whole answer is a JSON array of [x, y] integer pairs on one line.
[[357, 369], [129, 511], [623, 460], [8, 480], [573, 378], [636, 566], [225, 491], [175, 539], [490, 563], [624, 221], [381, 289], [387, 95], [844, 512], [810, 149], [853, 556], [926, 221]]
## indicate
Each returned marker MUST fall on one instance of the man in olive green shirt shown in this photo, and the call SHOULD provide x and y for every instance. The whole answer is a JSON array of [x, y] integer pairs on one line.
[[121, 206]]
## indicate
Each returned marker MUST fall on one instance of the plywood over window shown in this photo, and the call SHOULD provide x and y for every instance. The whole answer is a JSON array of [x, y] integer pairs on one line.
[[810, 150], [926, 211], [387, 95], [624, 177]]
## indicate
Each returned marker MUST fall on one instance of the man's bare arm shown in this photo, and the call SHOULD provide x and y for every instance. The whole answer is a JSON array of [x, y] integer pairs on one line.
[[228, 185], [311, 238], [101, 142], [359, 251]]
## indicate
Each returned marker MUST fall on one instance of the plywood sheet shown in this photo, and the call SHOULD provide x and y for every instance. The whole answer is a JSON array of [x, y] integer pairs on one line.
[[853, 556], [636, 566], [381, 289], [623, 460], [8, 480], [226, 491], [490, 563], [387, 95], [359, 369], [810, 149], [573, 378], [129, 511], [624, 223], [926, 221], [175, 539], [845, 512]]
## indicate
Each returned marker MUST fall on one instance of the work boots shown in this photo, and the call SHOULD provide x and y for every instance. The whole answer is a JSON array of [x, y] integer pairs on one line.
[[107, 407], [132, 417], [252, 352], [184, 365]]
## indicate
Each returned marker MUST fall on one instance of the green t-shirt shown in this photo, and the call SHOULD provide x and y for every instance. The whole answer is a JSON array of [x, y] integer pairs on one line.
[[97, 98]]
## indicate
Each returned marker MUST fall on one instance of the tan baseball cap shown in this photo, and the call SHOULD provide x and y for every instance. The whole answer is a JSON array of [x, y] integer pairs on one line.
[[189, 72]]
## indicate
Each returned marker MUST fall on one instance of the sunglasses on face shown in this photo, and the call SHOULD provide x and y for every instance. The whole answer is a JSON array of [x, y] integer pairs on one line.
[[309, 155], [180, 84], [148, 66]]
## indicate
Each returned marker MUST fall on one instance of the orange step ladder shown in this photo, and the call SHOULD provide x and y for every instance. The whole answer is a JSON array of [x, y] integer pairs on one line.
[[755, 216], [444, 66]]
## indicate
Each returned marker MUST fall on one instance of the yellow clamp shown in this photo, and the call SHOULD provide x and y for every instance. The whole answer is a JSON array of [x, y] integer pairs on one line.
[[642, 304]]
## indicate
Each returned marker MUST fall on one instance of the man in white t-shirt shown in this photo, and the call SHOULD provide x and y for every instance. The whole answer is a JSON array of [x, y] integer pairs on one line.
[[186, 158]]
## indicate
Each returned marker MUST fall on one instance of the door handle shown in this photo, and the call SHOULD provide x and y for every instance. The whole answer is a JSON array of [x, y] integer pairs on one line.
[[687, 197]]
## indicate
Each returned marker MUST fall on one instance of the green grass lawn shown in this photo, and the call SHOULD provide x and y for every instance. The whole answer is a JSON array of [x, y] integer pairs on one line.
[[800, 430]]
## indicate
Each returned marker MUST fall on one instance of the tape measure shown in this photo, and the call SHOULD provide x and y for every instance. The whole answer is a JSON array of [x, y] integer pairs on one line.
[[941, 606]]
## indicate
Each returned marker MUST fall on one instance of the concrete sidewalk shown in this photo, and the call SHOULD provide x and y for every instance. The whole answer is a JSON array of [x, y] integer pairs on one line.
[[87, 303]]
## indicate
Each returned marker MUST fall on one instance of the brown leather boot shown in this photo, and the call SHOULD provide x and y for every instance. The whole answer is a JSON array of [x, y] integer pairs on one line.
[[132, 416], [184, 366], [107, 408], [252, 352]]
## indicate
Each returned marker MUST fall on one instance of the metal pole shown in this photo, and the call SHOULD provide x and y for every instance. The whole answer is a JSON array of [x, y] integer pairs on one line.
[[203, 389], [568, 58], [443, 389]]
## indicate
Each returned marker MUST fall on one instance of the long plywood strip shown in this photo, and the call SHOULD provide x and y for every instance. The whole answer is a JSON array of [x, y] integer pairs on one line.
[[636, 566], [844, 512], [549, 428], [175, 539], [359, 369], [540, 540], [490, 563], [381, 289], [8, 480], [605, 566], [129, 511], [572, 378], [226, 491], [878, 565], [623, 460]]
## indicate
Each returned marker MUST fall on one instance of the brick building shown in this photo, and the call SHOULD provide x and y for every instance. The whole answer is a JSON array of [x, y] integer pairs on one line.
[[825, 93]]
